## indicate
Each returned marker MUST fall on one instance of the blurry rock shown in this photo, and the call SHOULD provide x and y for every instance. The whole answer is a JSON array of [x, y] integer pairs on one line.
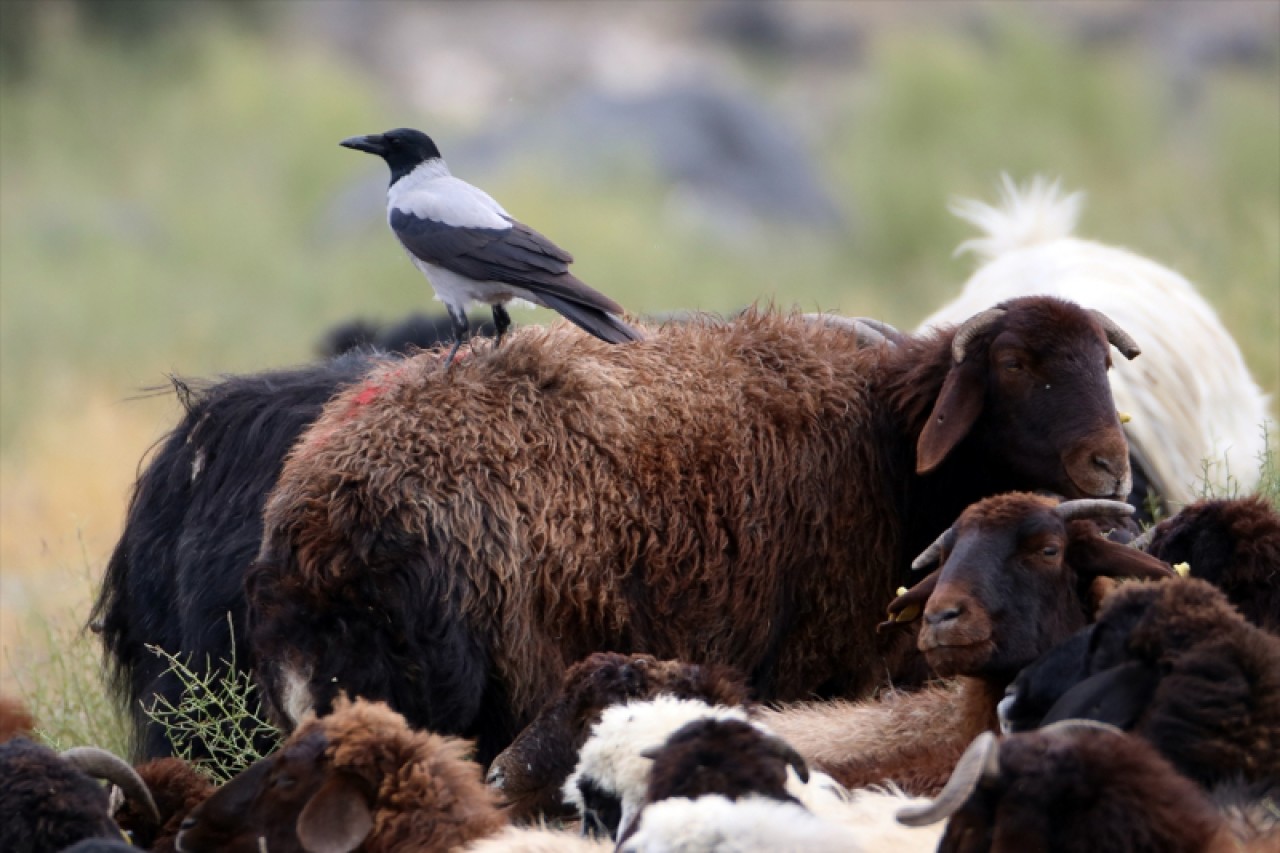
[[739, 159], [769, 28]]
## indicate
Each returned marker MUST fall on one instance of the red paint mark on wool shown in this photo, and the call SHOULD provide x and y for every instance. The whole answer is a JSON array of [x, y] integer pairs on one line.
[[367, 395]]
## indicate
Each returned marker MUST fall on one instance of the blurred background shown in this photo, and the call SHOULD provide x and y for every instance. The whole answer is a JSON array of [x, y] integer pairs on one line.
[[173, 199]]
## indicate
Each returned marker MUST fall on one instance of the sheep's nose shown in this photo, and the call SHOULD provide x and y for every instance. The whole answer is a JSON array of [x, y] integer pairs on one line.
[[939, 618], [496, 778]]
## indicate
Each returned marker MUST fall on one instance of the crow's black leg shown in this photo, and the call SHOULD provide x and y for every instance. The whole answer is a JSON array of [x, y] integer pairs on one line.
[[458, 316], [501, 322]]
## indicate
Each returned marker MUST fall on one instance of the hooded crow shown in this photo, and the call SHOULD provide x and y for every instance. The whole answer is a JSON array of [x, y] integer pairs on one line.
[[472, 250]]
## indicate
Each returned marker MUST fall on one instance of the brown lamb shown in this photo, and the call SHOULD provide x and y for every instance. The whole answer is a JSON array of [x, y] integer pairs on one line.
[[359, 779]]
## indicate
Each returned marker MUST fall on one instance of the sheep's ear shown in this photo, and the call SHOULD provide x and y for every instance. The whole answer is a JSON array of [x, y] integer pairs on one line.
[[336, 819], [1095, 557], [908, 606], [1117, 696], [954, 413]]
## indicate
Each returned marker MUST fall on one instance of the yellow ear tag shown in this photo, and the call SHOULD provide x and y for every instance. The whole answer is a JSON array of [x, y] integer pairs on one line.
[[902, 590], [1183, 569], [908, 615], [1125, 417]]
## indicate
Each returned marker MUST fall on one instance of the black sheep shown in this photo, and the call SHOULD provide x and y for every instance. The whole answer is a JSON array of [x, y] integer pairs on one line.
[[194, 525]]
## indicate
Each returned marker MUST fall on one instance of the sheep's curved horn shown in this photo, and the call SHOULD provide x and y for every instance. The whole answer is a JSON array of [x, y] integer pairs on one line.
[[930, 555], [1143, 541], [1091, 508], [971, 328], [1081, 723], [979, 764], [1118, 337], [102, 764], [868, 332], [869, 329], [779, 747]]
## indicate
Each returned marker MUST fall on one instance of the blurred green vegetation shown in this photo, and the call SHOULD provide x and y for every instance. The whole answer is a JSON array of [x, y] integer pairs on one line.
[[161, 201]]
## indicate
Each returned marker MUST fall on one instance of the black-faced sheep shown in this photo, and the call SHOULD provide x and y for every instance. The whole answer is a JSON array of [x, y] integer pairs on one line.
[[1016, 577], [193, 527], [1174, 663], [607, 786], [1232, 544], [745, 493], [1075, 788], [531, 771], [50, 801], [359, 778], [1192, 400]]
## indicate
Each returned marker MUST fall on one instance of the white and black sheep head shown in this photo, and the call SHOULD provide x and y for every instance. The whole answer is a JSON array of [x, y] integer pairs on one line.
[[1015, 578], [531, 771], [609, 783]]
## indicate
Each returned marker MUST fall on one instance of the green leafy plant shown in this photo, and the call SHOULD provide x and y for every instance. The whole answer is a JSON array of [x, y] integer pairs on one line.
[[219, 714]]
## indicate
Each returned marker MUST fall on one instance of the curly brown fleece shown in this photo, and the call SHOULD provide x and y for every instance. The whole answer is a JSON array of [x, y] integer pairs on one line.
[[740, 493], [177, 788], [1215, 709], [1233, 544], [429, 794]]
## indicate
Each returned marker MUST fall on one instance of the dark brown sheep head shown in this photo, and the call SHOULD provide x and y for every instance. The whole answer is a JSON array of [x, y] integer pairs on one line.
[[1175, 663], [1015, 578], [338, 777], [1074, 787], [731, 758], [531, 770], [1233, 544], [1035, 369], [177, 788]]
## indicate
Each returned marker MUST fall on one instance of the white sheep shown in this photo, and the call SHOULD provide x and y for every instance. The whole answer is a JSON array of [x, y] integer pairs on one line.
[[1196, 411]]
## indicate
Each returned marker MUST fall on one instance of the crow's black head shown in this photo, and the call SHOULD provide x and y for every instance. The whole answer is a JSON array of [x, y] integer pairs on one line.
[[403, 148]]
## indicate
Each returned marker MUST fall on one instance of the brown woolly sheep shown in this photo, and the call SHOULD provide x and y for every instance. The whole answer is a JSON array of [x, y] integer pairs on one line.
[[1233, 544], [1075, 787], [1016, 577], [357, 779], [743, 493], [177, 788], [531, 770], [1176, 664]]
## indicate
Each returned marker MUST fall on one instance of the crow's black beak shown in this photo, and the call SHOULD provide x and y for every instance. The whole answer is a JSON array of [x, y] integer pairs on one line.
[[372, 144]]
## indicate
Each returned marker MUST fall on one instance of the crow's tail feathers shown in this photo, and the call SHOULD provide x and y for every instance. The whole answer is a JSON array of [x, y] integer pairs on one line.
[[602, 324]]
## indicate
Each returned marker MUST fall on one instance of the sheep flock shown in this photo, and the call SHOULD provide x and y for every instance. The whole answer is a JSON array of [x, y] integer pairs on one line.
[[766, 582]]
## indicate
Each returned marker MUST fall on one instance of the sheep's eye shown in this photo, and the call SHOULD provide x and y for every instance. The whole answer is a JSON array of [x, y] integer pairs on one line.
[[285, 781], [1011, 364], [1049, 551]]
